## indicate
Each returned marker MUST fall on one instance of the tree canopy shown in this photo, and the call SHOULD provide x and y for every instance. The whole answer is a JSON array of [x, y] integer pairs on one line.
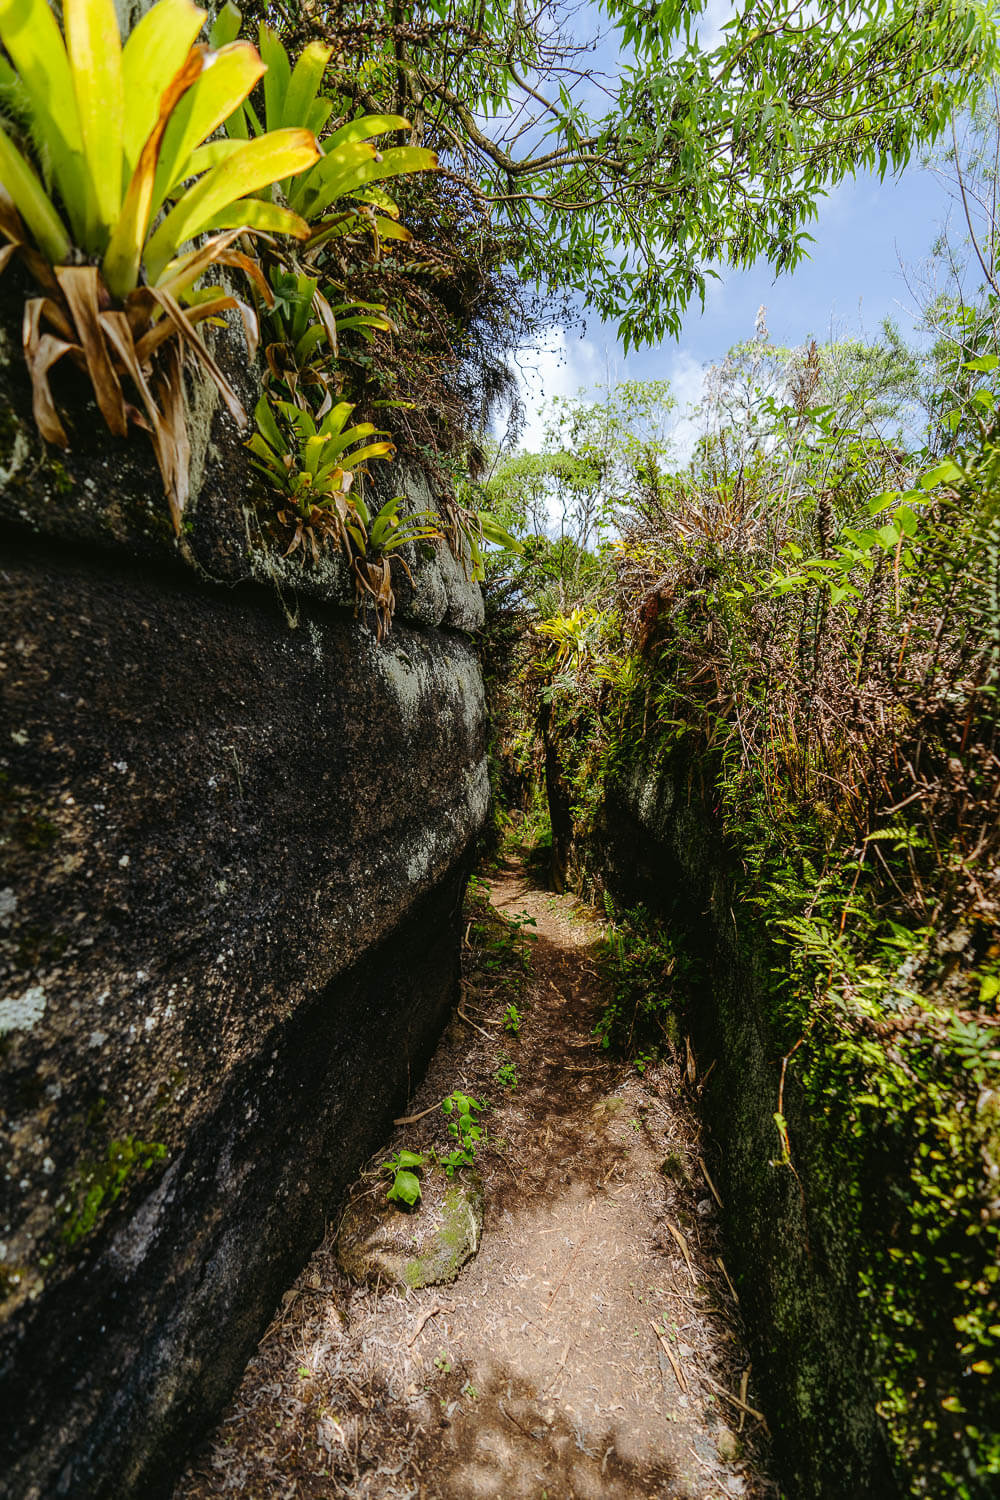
[[628, 152]]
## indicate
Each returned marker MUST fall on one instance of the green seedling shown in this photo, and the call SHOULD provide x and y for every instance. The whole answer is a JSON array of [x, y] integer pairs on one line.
[[462, 1110], [520, 922], [511, 948], [512, 1020], [405, 1186], [506, 1076], [454, 1159]]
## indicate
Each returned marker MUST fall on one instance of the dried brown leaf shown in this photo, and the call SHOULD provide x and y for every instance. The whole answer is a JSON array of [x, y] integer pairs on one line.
[[187, 268], [140, 309], [251, 325], [54, 314], [186, 329], [326, 317], [170, 446], [251, 269], [81, 287], [41, 352], [175, 461], [12, 228], [163, 329]]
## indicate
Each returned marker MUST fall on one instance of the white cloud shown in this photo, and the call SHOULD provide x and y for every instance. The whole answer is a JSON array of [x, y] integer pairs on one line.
[[556, 367], [562, 367], [686, 375]]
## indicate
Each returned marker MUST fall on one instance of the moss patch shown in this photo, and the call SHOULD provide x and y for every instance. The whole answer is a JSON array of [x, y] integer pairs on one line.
[[454, 1242], [95, 1186]]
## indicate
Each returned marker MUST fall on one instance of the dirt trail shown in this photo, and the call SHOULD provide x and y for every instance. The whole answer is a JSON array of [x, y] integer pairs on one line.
[[591, 1349]]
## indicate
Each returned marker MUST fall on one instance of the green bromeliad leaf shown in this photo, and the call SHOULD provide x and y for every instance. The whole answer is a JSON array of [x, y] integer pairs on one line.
[[110, 131], [349, 159], [211, 200]]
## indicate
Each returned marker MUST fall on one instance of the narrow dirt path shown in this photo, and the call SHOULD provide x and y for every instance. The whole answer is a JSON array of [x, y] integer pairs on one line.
[[592, 1347]]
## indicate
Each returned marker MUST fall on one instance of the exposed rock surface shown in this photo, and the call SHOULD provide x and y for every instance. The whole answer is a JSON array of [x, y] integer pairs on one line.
[[797, 1291], [232, 860], [427, 1246]]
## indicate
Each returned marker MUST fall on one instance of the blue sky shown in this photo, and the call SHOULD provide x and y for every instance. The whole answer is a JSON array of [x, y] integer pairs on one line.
[[867, 231]]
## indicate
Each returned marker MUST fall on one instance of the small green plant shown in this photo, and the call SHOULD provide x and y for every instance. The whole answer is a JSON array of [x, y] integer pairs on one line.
[[349, 164], [576, 638], [301, 325], [510, 947], [452, 1161], [479, 526], [521, 922], [512, 1020], [640, 968], [101, 137], [462, 1110], [388, 530], [301, 331], [506, 1075], [405, 1185], [315, 465]]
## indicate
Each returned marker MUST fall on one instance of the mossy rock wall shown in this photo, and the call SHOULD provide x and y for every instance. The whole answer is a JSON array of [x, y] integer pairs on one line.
[[795, 1267], [233, 855]]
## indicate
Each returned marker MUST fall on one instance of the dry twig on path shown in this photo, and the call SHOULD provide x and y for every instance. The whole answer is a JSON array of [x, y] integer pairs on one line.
[[714, 1190], [751, 1411], [474, 1024], [684, 1250], [412, 1119], [674, 1363], [422, 1322], [722, 1267]]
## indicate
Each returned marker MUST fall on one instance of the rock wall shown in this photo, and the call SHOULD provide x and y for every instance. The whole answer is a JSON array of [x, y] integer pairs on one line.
[[232, 854], [794, 1265]]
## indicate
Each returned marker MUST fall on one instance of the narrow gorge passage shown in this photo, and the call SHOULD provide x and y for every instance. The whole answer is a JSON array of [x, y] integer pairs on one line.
[[590, 1351]]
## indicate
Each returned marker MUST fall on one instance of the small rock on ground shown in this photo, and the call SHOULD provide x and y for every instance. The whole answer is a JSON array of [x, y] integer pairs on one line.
[[425, 1246]]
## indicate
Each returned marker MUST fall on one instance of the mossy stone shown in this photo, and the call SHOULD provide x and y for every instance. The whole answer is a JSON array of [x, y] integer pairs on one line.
[[424, 1247]]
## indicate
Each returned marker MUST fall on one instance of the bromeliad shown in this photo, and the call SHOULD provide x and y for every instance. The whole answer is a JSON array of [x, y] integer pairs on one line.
[[106, 174], [313, 465]]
